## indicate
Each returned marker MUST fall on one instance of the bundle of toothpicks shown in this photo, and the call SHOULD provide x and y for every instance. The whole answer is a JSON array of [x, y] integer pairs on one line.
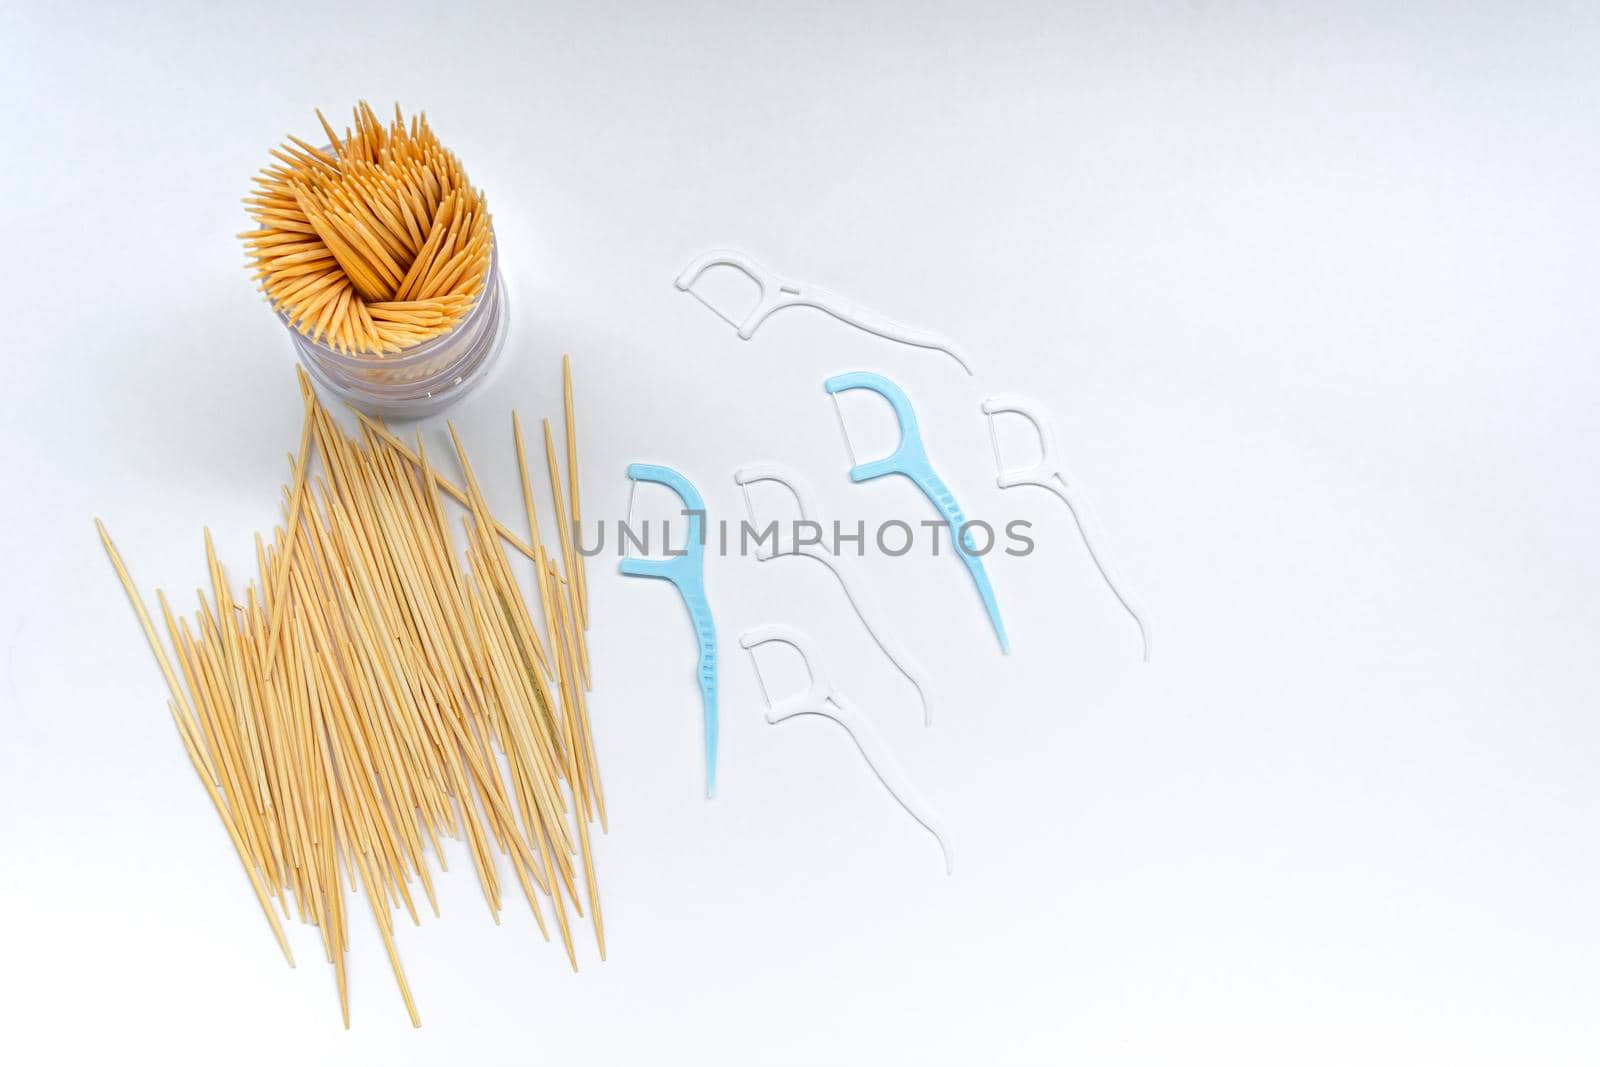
[[380, 686]]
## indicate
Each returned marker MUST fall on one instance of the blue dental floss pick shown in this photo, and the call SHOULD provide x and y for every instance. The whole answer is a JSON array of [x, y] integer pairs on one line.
[[687, 572], [911, 460]]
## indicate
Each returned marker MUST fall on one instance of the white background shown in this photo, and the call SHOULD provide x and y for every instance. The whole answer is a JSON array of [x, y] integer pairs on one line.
[[1311, 292]]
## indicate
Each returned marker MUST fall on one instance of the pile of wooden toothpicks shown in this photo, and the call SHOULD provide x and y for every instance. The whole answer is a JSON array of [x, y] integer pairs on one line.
[[378, 687]]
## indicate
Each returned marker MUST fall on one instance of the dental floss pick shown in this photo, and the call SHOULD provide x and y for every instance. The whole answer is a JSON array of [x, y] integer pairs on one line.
[[856, 590], [823, 698], [910, 459], [778, 293], [687, 573], [1048, 473]]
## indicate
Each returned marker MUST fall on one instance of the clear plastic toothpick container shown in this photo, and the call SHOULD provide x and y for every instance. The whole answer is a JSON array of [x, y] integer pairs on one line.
[[424, 378]]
